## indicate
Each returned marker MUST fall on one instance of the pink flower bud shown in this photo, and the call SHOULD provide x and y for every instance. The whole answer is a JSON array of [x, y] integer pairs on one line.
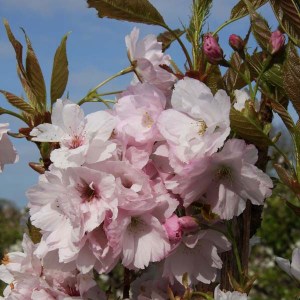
[[236, 42], [277, 41], [188, 223], [212, 50], [173, 229]]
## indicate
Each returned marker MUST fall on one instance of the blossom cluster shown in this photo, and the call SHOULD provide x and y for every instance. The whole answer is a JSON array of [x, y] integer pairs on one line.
[[131, 185]]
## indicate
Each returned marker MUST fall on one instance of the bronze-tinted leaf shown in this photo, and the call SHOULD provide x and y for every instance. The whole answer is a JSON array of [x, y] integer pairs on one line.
[[291, 76], [231, 78], [288, 15], [34, 232], [214, 79], [248, 129], [240, 10], [140, 11], [35, 76], [18, 102], [60, 71], [260, 27], [284, 115], [167, 38]]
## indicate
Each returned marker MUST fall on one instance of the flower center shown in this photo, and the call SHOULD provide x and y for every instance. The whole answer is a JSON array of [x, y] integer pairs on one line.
[[201, 127], [137, 225], [76, 142], [88, 192], [147, 121], [223, 173]]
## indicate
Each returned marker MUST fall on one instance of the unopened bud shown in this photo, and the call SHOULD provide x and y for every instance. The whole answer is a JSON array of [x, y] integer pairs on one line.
[[173, 229], [212, 49], [188, 223], [236, 42], [277, 41]]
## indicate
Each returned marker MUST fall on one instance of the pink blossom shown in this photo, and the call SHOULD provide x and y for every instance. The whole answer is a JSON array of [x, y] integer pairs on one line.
[[68, 205], [82, 139], [30, 278], [137, 112], [228, 179], [147, 56], [140, 239], [198, 124], [173, 229], [197, 255], [8, 154]]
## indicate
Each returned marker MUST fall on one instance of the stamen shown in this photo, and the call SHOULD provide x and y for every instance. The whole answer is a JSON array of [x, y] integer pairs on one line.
[[224, 172], [87, 191], [147, 120], [202, 127]]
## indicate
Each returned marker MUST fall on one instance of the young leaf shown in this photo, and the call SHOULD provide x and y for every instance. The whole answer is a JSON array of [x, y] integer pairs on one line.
[[291, 76], [18, 102], [294, 208], [167, 38], [35, 76], [260, 27], [214, 79], [284, 115], [60, 71], [248, 129], [140, 11], [288, 15], [231, 77], [240, 10]]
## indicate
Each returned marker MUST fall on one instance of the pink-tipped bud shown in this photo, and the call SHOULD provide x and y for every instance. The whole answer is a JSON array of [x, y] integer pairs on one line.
[[173, 229], [188, 223], [277, 41], [236, 42], [212, 50]]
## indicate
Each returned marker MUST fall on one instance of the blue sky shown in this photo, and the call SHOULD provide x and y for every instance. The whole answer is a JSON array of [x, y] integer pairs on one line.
[[96, 50]]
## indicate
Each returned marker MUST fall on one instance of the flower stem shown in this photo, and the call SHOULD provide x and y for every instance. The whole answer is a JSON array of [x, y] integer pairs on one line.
[[92, 91]]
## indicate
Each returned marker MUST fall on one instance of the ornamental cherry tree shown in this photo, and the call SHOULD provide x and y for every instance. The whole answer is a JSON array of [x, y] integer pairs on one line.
[[168, 183]]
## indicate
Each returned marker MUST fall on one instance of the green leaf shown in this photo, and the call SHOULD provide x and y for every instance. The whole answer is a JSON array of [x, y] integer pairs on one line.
[[291, 76], [140, 11], [248, 129], [35, 76], [260, 27], [240, 10], [167, 38], [18, 102], [273, 75], [284, 115], [287, 13], [60, 71]]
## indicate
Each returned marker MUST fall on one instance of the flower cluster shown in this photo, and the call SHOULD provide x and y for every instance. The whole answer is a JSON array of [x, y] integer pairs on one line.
[[130, 184]]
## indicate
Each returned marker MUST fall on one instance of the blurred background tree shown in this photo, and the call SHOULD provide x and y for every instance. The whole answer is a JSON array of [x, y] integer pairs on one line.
[[11, 230]]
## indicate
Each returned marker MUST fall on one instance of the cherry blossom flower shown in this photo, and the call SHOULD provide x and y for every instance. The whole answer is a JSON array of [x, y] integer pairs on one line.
[[198, 124], [30, 278], [197, 255], [147, 56], [220, 295], [291, 268], [228, 178], [139, 238], [8, 154], [137, 112], [67, 205], [81, 139]]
